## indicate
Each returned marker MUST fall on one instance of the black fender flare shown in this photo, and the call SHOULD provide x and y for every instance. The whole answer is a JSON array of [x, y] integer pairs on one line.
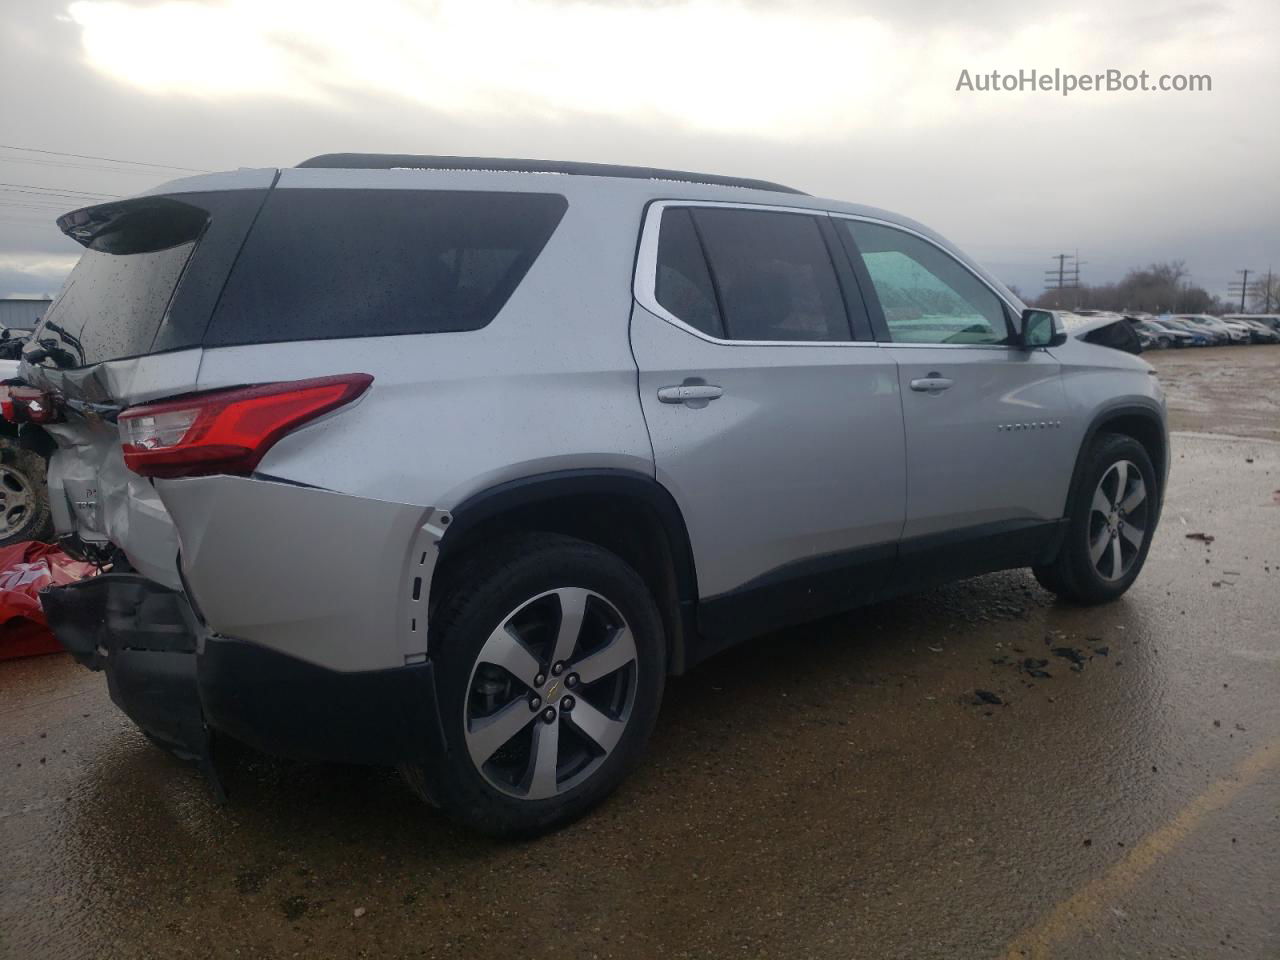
[[612, 482], [1149, 410]]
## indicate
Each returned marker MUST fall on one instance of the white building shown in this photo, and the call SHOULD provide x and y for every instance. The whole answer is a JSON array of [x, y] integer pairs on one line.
[[17, 313]]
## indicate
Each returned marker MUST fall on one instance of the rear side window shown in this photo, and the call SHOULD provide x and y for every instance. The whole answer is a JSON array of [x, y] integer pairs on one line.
[[773, 275], [683, 283], [327, 264]]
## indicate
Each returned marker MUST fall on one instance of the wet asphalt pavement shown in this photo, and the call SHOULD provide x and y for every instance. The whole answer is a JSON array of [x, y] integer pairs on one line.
[[834, 791]]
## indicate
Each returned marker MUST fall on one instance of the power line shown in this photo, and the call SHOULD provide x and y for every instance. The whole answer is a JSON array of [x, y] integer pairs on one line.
[[29, 224], [33, 188], [45, 207], [16, 218], [67, 165], [1240, 286], [16, 196], [85, 156], [1064, 276]]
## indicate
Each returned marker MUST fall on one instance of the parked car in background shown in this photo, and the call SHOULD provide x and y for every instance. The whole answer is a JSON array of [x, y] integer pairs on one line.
[[1259, 332], [1227, 334], [24, 493], [1180, 338], [1193, 336], [1146, 340], [1271, 320], [1216, 334], [529, 444], [1154, 337]]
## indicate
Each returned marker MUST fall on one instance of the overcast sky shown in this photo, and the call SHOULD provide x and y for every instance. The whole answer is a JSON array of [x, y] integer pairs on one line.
[[855, 100]]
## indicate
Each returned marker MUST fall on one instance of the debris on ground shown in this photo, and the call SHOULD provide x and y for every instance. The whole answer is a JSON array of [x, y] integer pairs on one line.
[[1202, 537], [1070, 653], [986, 696]]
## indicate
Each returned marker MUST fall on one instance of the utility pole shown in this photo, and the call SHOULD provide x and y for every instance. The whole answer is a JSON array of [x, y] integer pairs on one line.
[[1241, 286], [1066, 275]]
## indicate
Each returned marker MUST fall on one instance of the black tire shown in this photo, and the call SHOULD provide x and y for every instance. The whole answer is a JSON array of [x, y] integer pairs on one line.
[[24, 495], [480, 595], [1073, 574]]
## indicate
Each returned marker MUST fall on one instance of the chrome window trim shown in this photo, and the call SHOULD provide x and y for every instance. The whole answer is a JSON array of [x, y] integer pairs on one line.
[[644, 285], [1013, 310]]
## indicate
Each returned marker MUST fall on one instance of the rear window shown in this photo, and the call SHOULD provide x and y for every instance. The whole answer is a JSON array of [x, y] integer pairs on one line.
[[327, 264], [151, 271], [114, 300]]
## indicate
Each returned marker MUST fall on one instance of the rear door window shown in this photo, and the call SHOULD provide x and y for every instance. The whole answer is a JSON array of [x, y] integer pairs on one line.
[[327, 264], [773, 274], [683, 284]]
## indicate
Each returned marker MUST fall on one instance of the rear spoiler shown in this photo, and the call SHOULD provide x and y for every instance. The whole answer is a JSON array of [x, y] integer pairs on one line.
[[139, 225]]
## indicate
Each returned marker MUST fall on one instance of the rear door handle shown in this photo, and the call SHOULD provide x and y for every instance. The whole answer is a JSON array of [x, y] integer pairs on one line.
[[693, 394], [933, 383]]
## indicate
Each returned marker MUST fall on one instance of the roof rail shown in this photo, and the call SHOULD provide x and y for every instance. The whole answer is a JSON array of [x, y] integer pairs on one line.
[[390, 161]]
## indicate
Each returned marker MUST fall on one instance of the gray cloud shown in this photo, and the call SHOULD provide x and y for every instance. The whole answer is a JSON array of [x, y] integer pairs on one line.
[[1012, 180]]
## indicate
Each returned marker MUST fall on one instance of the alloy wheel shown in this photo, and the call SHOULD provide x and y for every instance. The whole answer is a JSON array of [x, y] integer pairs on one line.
[[550, 693], [1118, 520]]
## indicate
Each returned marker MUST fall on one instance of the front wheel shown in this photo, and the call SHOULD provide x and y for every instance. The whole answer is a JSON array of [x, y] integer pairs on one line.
[[549, 675], [1111, 519]]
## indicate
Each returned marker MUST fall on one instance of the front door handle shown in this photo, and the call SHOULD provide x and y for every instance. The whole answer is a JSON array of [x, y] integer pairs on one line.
[[933, 384], [690, 394]]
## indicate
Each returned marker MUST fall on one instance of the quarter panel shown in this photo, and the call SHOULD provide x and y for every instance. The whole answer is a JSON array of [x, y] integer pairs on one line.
[[318, 575], [550, 384]]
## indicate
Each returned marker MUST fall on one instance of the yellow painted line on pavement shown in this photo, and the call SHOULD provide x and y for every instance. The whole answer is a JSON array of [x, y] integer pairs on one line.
[[1089, 901]]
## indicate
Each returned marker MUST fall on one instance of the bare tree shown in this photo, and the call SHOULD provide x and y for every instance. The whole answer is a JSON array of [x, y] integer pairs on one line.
[[1156, 288], [1264, 293]]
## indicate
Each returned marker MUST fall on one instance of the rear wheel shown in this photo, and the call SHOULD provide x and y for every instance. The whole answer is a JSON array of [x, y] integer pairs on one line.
[[24, 495], [1110, 523], [550, 672]]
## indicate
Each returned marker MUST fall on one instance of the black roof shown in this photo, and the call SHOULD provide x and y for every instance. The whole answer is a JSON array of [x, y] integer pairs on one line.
[[387, 161]]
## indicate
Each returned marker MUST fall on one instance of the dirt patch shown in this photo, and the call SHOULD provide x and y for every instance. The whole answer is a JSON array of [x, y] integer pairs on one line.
[[1228, 390]]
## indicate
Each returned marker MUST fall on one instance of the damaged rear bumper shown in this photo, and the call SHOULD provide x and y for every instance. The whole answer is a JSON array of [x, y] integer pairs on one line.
[[179, 683]]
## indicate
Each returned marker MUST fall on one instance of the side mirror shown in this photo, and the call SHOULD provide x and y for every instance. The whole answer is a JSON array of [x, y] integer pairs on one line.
[[1041, 328]]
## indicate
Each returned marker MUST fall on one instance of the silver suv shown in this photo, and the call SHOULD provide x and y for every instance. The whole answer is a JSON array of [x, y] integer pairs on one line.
[[449, 462]]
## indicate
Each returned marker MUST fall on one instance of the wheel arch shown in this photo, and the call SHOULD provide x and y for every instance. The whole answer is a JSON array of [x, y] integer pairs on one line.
[[1144, 421], [627, 513]]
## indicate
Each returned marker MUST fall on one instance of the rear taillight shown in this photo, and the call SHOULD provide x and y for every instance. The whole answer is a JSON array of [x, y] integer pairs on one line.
[[227, 431], [20, 404]]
